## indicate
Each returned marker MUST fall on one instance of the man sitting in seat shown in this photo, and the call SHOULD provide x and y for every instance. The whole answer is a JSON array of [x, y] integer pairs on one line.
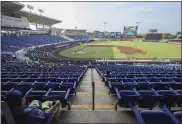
[[32, 114]]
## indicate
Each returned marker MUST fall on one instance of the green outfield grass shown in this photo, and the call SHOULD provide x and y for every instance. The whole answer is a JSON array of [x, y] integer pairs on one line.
[[154, 49]]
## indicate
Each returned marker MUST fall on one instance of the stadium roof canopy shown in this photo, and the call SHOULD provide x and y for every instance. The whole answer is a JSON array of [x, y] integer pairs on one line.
[[9, 7], [36, 18], [14, 8], [75, 30]]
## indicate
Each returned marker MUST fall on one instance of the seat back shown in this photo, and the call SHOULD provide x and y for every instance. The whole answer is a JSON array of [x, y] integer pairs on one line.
[[116, 84], [179, 103], [168, 97], [148, 99], [160, 86], [55, 85], [176, 86], [178, 115], [55, 95], [40, 85], [127, 97], [143, 85], [7, 113], [36, 95], [155, 117]]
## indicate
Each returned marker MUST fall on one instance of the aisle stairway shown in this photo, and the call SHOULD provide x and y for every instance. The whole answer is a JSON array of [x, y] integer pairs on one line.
[[81, 104]]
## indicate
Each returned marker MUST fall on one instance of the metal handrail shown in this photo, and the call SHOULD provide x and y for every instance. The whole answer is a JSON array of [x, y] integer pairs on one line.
[[93, 89]]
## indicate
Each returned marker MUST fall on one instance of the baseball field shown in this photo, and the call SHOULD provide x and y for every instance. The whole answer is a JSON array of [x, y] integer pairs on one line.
[[124, 50]]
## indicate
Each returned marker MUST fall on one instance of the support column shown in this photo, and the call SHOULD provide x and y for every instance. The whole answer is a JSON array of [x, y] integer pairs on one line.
[[36, 25], [50, 26], [50, 32]]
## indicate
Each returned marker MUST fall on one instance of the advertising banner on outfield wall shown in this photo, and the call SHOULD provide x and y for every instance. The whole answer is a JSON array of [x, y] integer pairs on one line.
[[100, 34], [115, 35], [109, 35], [130, 31]]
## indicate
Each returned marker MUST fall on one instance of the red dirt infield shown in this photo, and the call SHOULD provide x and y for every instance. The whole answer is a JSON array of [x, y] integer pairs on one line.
[[123, 49]]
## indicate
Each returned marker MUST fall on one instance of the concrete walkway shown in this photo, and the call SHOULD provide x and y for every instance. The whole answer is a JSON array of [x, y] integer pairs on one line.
[[81, 104]]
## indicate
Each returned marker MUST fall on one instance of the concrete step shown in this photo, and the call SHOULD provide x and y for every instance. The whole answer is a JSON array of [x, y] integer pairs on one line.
[[96, 117]]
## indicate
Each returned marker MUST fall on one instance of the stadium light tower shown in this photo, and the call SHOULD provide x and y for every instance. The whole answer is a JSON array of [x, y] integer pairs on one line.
[[30, 7], [137, 23], [40, 11], [105, 23]]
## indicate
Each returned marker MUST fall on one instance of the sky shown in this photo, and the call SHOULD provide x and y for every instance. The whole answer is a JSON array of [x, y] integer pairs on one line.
[[163, 16]]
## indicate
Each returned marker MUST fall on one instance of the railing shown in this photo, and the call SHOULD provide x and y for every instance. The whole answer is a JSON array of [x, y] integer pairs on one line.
[[93, 89]]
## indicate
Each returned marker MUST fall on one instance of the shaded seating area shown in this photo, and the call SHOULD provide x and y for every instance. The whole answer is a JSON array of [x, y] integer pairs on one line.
[[14, 43]]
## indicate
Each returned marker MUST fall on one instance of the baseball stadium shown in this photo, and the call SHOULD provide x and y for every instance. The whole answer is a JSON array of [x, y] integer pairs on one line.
[[52, 74], [123, 50]]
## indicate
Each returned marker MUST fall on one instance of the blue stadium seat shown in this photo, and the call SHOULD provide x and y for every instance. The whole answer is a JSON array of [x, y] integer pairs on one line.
[[176, 85], [156, 117], [52, 95], [178, 115], [113, 85], [148, 99], [40, 85], [70, 85], [54, 85], [168, 97], [179, 103], [125, 98], [3, 94], [35, 95]]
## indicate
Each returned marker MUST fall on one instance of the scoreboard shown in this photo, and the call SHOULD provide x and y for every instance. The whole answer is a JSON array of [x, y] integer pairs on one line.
[[179, 33], [130, 31], [152, 30]]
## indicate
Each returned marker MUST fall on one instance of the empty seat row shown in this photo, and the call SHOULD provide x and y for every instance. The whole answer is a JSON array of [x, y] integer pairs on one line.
[[145, 87], [150, 99]]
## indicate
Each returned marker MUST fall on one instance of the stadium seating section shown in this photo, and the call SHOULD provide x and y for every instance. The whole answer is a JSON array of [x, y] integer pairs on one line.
[[16, 28], [42, 83], [79, 37], [46, 53], [145, 87], [13, 43], [9, 48]]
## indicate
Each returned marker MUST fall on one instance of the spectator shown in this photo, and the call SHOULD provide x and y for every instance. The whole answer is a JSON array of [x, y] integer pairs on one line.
[[108, 73], [32, 114]]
